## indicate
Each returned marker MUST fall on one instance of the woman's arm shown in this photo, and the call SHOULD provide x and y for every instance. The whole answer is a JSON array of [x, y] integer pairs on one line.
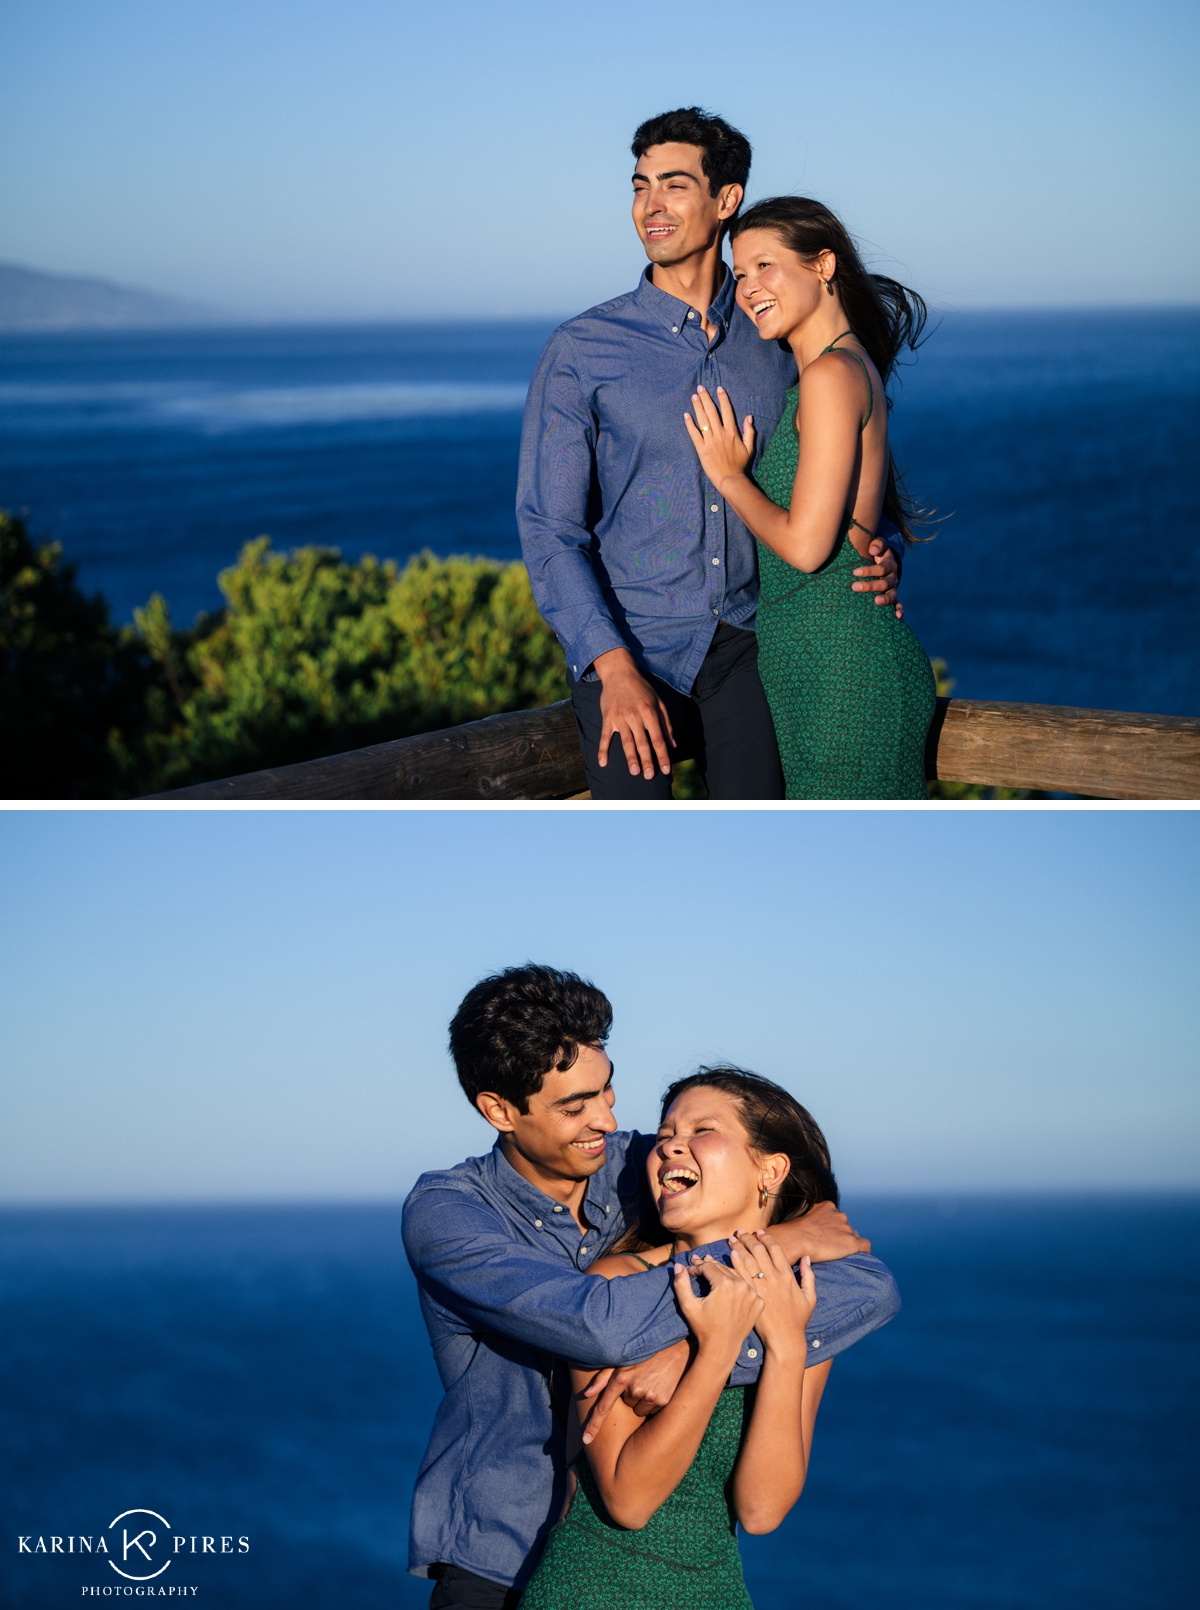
[[773, 1462], [639, 1463], [830, 415]]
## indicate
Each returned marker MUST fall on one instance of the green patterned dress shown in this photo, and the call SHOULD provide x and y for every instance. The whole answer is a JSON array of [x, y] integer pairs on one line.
[[850, 687], [685, 1557]]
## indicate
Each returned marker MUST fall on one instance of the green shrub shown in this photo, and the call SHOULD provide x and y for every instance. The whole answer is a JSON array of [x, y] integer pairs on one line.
[[313, 655], [686, 782], [73, 690]]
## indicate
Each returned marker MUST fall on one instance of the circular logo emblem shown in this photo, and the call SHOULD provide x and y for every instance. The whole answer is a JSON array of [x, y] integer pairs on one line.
[[140, 1543]]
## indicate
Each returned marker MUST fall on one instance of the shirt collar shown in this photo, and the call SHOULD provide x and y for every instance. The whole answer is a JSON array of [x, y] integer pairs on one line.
[[722, 309], [532, 1203], [672, 313]]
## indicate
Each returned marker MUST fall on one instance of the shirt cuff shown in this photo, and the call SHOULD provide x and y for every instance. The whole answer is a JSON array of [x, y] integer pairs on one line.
[[599, 636], [717, 1249], [895, 542]]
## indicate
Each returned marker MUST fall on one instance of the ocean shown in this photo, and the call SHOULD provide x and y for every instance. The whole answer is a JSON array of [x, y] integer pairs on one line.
[[1021, 1437], [1060, 447]]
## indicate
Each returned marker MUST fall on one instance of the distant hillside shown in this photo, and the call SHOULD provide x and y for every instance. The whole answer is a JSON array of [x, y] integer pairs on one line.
[[30, 300]]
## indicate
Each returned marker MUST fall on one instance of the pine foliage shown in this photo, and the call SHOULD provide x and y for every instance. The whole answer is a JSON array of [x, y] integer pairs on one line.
[[311, 655], [73, 689]]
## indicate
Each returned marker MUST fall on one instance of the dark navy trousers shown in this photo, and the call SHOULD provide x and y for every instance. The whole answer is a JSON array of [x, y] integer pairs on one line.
[[724, 725], [463, 1590]]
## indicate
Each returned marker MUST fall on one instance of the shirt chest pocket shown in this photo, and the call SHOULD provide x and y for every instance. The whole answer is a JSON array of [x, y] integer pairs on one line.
[[766, 412]]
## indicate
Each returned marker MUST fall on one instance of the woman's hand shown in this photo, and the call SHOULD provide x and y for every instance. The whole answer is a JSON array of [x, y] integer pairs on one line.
[[722, 452], [721, 1321], [787, 1306]]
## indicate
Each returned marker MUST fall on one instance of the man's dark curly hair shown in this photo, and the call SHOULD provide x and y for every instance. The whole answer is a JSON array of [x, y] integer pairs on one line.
[[514, 1027], [726, 151]]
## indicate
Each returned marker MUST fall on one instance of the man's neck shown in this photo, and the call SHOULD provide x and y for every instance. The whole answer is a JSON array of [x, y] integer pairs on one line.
[[695, 281], [570, 1192]]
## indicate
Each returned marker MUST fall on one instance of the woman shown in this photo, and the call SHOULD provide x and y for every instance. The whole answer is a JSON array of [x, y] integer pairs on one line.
[[652, 1521], [850, 688]]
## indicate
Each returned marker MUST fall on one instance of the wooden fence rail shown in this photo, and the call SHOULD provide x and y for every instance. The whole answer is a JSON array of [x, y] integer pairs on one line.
[[534, 754]]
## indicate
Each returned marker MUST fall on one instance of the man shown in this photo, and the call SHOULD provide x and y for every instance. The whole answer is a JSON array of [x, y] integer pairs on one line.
[[500, 1246], [649, 581]]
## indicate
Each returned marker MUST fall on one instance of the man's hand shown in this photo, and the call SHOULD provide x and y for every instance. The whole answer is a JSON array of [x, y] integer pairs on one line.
[[824, 1235], [631, 708], [646, 1387], [884, 574]]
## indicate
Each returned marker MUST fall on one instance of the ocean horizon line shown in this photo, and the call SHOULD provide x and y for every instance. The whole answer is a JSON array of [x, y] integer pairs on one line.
[[938, 1197], [223, 322]]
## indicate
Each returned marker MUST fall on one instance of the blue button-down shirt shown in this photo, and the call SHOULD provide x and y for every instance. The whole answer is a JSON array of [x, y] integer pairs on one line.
[[625, 539], [501, 1270]]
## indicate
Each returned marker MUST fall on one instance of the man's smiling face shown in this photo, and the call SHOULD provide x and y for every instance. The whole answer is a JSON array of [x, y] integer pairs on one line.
[[674, 212], [563, 1133]]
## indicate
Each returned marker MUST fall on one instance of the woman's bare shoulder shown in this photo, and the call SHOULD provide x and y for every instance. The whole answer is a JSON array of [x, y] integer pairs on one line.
[[627, 1263], [833, 389], [838, 371]]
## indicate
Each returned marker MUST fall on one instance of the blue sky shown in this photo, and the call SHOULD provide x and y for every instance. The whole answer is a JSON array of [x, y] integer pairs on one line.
[[254, 1005], [288, 158]]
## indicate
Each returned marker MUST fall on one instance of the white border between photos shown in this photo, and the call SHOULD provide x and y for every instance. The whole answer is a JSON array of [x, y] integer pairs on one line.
[[933, 805]]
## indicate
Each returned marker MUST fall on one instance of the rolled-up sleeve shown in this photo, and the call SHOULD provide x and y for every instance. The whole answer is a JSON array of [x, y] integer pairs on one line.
[[855, 1296], [554, 486], [495, 1283], [891, 535]]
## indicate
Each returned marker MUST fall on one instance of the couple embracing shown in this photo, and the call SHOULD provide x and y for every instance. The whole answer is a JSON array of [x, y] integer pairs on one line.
[[633, 1332], [707, 498]]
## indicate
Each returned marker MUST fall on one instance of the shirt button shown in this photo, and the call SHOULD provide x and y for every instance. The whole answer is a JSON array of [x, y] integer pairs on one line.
[[558, 1210], [714, 508], [691, 315], [816, 1341], [674, 329], [716, 611], [537, 1224], [752, 1352]]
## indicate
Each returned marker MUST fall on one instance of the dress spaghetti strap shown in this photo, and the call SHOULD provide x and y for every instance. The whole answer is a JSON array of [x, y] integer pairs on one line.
[[833, 347]]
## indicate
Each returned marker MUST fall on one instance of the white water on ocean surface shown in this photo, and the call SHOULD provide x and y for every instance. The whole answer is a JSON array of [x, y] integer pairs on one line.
[[215, 409]]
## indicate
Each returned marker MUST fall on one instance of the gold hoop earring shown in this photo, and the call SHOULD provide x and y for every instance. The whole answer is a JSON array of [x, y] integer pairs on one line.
[[763, 1196], [829, 286]]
